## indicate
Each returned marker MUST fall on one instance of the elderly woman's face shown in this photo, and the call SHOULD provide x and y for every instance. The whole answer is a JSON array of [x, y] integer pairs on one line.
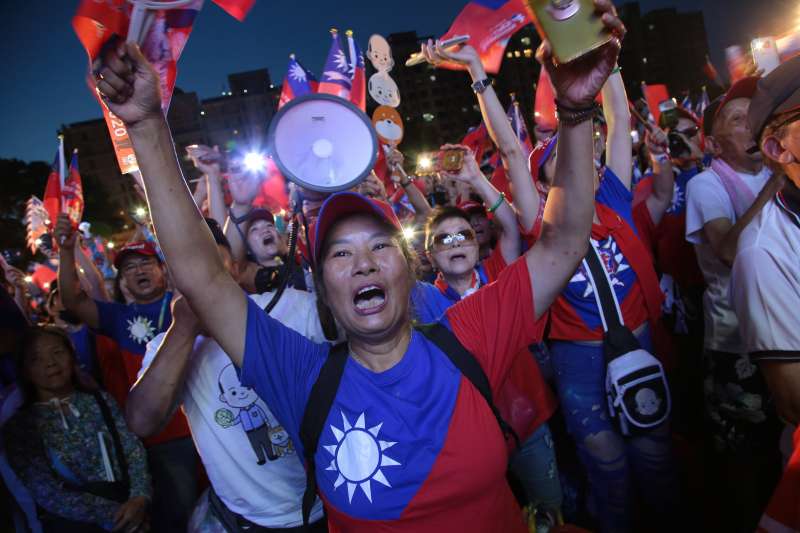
[[49, 364], [366, 277]]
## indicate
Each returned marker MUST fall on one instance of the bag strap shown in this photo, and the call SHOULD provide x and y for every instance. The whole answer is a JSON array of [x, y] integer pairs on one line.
[[604, 295], [112, 429], [318, 406], [465, 362], [617, 339]]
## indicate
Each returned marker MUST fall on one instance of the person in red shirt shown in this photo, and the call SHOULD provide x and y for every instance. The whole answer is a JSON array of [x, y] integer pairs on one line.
[[410, 446]]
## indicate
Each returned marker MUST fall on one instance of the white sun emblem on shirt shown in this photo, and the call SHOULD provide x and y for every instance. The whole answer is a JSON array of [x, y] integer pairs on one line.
[[358, 457], [677, 200], [141, 329], [614, 262]]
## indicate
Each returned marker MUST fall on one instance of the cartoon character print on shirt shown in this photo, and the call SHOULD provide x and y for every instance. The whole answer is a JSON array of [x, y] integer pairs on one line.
[[358, 456], [268, 439], [141, 329]]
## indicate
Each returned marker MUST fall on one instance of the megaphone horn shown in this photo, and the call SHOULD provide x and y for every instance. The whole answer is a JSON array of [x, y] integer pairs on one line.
[[323, 143]]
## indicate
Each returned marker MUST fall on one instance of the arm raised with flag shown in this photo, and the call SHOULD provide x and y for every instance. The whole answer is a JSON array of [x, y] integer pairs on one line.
[[131, 89]]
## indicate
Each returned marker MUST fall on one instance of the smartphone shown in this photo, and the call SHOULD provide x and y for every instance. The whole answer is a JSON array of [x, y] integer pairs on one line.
[[669, 113], [572, 27], [765, 54], [451, 160], [451, 43]]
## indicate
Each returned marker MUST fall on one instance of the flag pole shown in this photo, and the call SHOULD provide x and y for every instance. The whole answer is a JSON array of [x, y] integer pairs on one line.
[[62, 170]]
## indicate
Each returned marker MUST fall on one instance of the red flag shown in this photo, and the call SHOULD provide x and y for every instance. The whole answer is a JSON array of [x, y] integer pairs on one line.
[[273, 190], [236, 8], [477, 140], [52, 193], [655, 94], [490, 24], [72, 193], [737, 61], [100, 25], [544, 108]]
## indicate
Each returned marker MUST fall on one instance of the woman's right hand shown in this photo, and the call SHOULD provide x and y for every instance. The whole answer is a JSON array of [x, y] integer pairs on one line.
[[64, 233], [132, 516], [129, 85], [578, 82]]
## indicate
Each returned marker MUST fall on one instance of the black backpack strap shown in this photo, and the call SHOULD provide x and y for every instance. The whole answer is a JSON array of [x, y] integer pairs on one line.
[[318, 406], [619, 339], [112, 428], [464, 361]]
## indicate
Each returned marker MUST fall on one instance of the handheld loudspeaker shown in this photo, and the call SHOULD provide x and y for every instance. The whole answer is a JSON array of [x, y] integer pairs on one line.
[[323, 143]]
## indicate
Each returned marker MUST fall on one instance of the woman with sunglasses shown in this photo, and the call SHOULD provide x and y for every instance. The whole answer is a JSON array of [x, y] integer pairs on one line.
[[408, 444]]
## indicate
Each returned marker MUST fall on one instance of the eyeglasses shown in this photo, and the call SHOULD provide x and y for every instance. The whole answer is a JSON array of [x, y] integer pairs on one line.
[[132, 266], [449, 239], [690, 132]]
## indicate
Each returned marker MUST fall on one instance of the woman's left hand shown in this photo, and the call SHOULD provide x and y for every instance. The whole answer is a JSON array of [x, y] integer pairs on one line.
[[132, 515]]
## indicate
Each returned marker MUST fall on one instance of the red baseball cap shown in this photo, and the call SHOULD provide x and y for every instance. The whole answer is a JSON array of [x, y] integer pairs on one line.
[[144, 248], [744, 88], [342, 204]]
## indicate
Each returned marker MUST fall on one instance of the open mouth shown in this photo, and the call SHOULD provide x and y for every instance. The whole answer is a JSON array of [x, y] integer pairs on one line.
[[369, 300], [458, 257], [143, 282], [267, 240]]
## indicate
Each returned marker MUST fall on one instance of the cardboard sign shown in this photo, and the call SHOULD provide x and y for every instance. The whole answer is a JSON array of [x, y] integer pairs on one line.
[[384, 90], [380, 54], [388, 125]]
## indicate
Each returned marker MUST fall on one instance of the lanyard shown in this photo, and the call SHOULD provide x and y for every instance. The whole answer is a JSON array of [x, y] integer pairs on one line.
[[162, 313]]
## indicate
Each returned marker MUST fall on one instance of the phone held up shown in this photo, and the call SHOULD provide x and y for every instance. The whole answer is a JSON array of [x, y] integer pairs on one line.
[[451, 160], [572, 27]]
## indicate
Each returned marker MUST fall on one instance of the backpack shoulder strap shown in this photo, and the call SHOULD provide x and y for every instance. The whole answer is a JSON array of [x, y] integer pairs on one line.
[[465, 362], [318, 406]]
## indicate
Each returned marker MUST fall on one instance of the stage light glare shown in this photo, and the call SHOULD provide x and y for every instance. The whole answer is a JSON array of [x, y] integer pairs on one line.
[[424, 162], [28, 279], [408, 233], [140, 212], [254, 162]]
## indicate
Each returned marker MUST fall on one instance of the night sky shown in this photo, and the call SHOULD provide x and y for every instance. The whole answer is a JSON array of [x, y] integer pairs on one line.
[[43, 64]]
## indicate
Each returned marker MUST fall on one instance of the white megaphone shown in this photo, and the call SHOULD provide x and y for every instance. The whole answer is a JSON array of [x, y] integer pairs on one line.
[[323, 143]]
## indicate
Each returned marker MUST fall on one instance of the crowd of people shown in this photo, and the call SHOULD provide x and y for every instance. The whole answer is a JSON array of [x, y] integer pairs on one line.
[[603, 341]]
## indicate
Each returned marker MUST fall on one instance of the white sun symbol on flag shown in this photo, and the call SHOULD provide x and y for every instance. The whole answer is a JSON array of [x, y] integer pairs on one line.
[[614, 262], [358, 456], [297, 73], [342, 64], [677, 200], [141, 329]]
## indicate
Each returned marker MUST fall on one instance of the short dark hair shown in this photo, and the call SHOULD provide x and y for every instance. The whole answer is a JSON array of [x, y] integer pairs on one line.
[[440, 214]]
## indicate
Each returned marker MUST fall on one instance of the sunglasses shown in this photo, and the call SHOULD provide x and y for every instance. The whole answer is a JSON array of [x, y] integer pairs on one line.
[[449, 239], [690, 132]]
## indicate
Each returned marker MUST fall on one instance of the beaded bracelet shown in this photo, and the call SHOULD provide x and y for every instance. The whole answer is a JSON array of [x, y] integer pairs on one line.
[[498, 203]]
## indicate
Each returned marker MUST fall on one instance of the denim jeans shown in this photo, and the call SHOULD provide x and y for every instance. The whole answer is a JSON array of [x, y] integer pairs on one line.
[[173, 467], [535, 466], [618, 467]]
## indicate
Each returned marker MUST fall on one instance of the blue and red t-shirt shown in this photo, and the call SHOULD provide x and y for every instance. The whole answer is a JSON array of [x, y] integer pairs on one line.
[[574, 314], [416, 447], [674, 254], [130, 328]]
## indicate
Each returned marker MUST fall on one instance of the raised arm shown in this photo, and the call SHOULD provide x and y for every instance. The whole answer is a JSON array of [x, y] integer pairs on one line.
[[570, 202], [131, 90], [91, 275], [471, 175], [206, 159], [619, 154], [154, 397], [663, 176], [422, 208], [73, 296], [514, 158]]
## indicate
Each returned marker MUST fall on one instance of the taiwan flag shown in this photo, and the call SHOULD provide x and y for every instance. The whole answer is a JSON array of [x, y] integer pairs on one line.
[[52, 192], [490, 24], [299, 81], [477, 139], [72, 192], [336, 76], [544, 108], [358, 79], [654, 95]]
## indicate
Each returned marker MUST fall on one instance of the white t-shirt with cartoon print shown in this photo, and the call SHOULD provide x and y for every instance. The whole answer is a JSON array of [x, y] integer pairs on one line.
[[249, 458]]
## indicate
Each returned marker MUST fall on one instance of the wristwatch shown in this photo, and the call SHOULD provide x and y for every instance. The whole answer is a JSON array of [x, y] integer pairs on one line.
[[481, 85]]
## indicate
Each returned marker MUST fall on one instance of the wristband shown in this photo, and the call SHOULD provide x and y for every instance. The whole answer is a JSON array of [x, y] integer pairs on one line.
[[572, 117], [498, 203], [616, 69], [663, 157], [238, 220]]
